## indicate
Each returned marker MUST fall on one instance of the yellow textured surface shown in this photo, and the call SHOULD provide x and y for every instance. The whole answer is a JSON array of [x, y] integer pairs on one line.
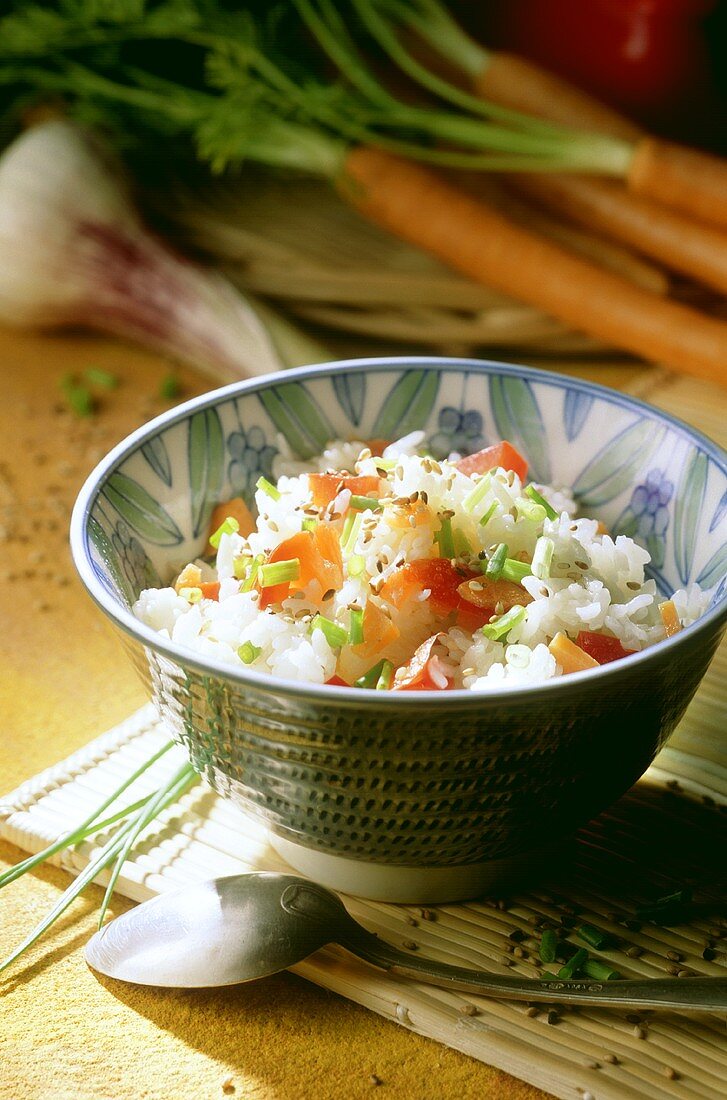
[[65, 1035]]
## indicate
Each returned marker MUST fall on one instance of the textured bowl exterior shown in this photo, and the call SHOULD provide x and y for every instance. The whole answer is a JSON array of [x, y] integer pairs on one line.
[[428, 780]]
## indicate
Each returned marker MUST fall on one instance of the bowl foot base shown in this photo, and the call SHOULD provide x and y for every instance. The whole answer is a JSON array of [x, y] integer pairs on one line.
[[420, 885]]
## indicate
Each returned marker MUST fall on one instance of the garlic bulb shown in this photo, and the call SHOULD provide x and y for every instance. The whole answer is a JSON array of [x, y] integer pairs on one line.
[[73, 251]]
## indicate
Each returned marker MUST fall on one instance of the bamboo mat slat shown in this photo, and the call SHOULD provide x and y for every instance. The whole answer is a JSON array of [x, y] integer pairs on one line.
[[668, 831]]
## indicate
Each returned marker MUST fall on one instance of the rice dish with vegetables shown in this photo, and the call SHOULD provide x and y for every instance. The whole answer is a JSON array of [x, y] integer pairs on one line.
[[375, 566]]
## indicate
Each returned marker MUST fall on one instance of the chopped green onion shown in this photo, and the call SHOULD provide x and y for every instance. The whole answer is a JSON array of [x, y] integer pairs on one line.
[[371, 678], [548, 946], [504, 624], [351, 531], [489, 514], [248, 652], [78, 397], [385, 676], [240, 565], [477, 495], [356, 565], [528, 509], [546, 976], [362, 503], [574, 964], [335, 635], [268, 487], [594, 936], [191, 595], [542, 558], [534, 495], [229, 526], [278, 572], [493, 569], [514, 570], [355, 632], [462, 544], [309, 524], [602, 972], [170, 386], [680, 897], [252, 575], [444, 539], [384, 463], [96, 376]]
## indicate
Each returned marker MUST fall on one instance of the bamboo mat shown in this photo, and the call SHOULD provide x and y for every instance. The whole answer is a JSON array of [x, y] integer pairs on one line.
[[669, 831]]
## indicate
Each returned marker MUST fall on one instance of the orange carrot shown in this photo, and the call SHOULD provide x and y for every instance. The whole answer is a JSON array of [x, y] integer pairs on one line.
[[235, 509], [670, 619], [603, 206], [491, 594], [210, 590], [499, 454], [686, 179], [419, 206], [570, 656], [325, 487], [418, 674], [319, 554]]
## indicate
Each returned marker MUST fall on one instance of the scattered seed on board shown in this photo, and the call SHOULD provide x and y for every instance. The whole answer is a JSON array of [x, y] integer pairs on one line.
[[553, 1017], [639, 1032], [411, 920], [671, 1073], [375, 1080], [532, 1012], [517, 935], [427, 914], [634, 1018], [519, 953], [469, 1010], [611, 1059], [634, 952], [228, 1085], [684, 974], [402, 1014], [673, 970], [409, 945], [674, 956]]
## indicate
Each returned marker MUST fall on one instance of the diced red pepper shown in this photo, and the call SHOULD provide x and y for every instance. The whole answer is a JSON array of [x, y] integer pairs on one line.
[[602, 647], [416, 674], [325, 487], [500, 454], [337, 682]]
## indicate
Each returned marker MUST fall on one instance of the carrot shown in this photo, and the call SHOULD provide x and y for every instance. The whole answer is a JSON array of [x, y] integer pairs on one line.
[[500, 454], [419, 206], [689, 180], [697, 250], [325, 487], [670, 619], [236, 509], [210, 590], [570, 656], [489, 594], [319, 554]]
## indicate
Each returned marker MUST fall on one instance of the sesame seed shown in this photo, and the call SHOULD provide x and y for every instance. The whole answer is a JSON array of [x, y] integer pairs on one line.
[[674, 956], [532, 1012], [671, 1073], [639, 1032], [469, 1010]]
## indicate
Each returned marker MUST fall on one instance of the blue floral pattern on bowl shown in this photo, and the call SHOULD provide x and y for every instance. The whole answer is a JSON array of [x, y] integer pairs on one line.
[[646, 518], [251, 457], [458, 430]]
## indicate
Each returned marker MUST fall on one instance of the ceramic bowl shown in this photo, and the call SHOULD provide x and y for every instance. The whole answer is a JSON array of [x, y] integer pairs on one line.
[[424, 796]]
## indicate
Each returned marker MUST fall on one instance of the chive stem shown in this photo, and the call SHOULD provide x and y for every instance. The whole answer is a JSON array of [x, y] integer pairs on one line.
[[503, 625], [515, 571], [542, 558], [278, 572], [370, 678], [574, 964], [477, 495], [268, 488], [548, 946], [538, 498], [309, 524], [229, 526], [493, 569], [594, 936], [334, 634], [355, 630], [489, 514], [444, 538], [356, 565], [602, 972], [385, 676], [361, 504], [249, 582]]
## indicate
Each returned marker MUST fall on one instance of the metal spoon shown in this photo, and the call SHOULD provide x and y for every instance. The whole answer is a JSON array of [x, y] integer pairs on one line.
[[234, 929]]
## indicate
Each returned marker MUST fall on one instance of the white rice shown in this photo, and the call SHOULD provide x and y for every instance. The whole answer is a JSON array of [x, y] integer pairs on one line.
[[596, 583]]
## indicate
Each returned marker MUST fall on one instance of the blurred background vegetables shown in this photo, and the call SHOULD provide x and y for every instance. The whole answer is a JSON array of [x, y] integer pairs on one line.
[[280, 101]]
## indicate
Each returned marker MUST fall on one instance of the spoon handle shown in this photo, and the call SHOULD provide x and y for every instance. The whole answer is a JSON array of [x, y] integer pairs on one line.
[[690, 995]]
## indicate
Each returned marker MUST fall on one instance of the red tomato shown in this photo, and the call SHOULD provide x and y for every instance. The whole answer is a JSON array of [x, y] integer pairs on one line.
[[602, 647], [500, 454], [416, 674], [443, 581], [337, 682], [325, 487], [646, 56]]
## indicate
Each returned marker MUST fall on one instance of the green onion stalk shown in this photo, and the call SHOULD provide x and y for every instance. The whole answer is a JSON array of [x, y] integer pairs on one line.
[[132, 820]]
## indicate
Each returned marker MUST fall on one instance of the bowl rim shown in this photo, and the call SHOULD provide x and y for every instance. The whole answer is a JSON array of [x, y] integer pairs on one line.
[[130, 625]]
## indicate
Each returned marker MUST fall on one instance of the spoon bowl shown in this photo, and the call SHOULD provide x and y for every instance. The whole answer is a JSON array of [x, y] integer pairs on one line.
[[235, 929]]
